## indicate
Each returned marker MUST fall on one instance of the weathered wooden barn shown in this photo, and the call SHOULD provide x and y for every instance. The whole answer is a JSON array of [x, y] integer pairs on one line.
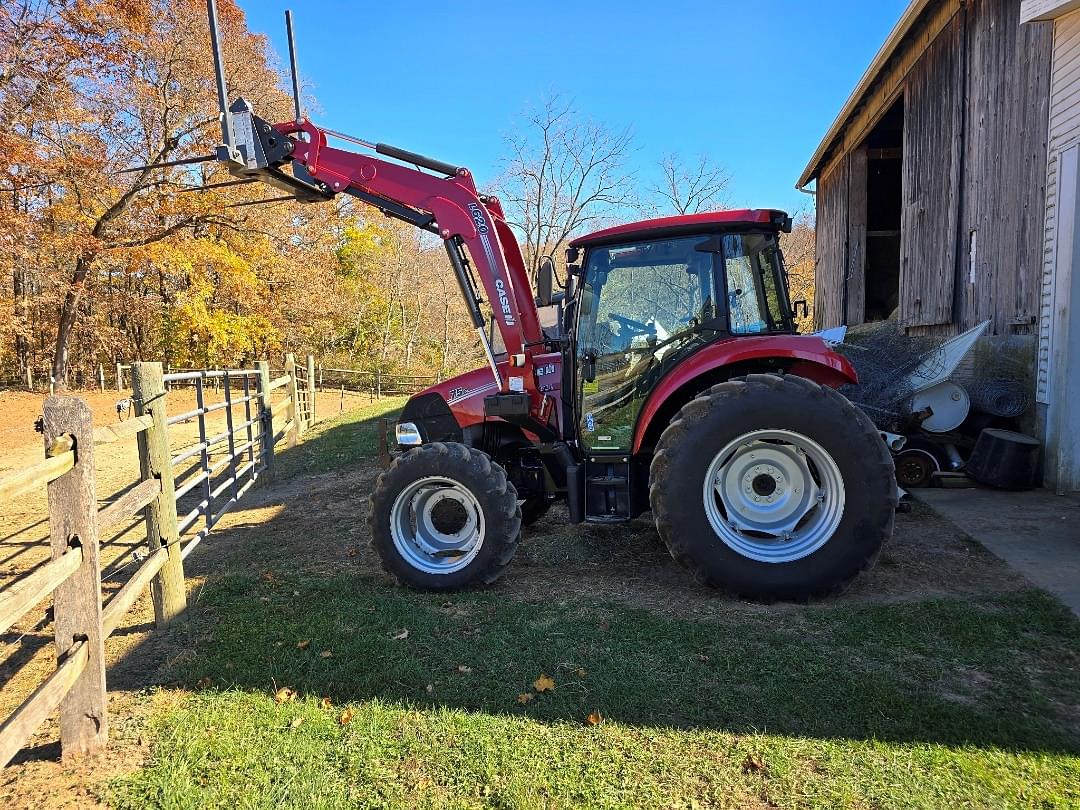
[[933, 204]]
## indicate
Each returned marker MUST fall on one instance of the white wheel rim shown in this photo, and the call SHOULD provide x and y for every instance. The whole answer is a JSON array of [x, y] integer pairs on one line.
[[437, 525], [774, 496]]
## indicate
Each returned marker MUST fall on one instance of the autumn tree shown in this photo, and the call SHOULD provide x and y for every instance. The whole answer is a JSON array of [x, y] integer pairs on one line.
[[564, 174], [798, 248], [129, 84]]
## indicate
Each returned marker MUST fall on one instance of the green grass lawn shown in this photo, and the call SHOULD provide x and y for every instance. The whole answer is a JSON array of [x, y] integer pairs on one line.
[[950, 703], [340, 441]]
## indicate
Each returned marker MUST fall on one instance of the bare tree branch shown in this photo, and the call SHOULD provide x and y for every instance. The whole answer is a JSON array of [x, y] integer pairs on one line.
[[563, 172], [691, 187]]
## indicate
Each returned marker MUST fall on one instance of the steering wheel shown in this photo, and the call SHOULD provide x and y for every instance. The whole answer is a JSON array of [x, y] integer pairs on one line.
[[635, 327]]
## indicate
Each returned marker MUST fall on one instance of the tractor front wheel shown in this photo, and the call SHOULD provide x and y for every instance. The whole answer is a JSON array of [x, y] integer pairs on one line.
[[444, 517], [773, 488]]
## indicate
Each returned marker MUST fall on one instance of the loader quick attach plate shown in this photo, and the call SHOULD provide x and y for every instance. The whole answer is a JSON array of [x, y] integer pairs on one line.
[[508, 406]]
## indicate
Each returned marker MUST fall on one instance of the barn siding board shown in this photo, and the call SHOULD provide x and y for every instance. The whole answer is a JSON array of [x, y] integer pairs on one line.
[[970, 69], [1003, 185], [889, 83], [855, 275], [831, 250], [931, 176], [1064, 131]]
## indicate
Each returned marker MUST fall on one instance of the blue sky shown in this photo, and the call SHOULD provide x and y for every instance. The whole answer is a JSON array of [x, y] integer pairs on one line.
[[753, 85]]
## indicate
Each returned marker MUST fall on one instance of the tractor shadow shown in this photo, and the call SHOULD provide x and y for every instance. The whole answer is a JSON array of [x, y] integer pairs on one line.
[[940, 644]]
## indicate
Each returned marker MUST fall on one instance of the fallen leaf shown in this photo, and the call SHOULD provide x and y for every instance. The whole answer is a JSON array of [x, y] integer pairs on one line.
[[284, 695], [296, 721], [303, 644], [326, 654], [525, 697], [605, 624], [430, 688], [204, 683], [264, 598], [401, 635], [296, 593], [594, 718], [544, 684], [582, 672], [325, 703], [753, 764], [702, 658], [268, 576], [345, 717], [464, 670], [353, 552]]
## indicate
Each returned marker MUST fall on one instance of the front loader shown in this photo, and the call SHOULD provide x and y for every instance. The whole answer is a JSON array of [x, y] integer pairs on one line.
[[667, 376]]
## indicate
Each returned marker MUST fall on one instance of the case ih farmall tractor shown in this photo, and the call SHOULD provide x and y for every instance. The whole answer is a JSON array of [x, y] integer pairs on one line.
[[667, 376]]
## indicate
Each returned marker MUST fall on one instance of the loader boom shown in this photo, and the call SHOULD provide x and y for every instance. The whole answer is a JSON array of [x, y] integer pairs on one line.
[[442, 200]]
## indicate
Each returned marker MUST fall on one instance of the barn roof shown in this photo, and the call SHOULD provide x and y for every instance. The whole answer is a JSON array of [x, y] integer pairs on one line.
[[888, 49]]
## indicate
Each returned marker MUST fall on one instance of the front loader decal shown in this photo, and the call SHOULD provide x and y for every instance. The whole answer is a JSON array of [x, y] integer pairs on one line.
[[485, 241]]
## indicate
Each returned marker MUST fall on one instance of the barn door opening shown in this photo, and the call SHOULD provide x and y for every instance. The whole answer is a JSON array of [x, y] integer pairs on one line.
[[884, 205]]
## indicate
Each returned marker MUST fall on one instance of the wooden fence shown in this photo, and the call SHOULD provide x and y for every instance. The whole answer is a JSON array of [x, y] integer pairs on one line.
[[310, 376], [375, 384], [204, 480]]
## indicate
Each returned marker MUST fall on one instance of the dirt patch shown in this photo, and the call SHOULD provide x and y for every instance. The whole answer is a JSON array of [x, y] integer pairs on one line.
[[318, 525]]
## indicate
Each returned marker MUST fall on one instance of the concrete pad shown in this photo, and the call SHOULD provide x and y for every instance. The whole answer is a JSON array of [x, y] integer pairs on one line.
[[1036, 532]]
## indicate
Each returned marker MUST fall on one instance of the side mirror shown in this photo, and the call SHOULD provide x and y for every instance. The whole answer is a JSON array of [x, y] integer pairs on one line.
[[800, 304], [545, 281]]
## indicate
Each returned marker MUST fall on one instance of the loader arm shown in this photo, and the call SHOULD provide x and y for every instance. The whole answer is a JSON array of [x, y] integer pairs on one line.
[[450, 207], [442, 200]]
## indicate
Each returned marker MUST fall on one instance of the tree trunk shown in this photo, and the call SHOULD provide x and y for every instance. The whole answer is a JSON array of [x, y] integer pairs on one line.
[[66, 323], [20, 291]]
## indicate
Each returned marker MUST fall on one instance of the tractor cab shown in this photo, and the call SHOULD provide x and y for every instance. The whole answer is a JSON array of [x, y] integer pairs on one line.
[[652, 294]]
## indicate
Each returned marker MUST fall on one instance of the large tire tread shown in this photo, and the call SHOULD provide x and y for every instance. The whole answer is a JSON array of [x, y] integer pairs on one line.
[[668, 505], [496, 495]]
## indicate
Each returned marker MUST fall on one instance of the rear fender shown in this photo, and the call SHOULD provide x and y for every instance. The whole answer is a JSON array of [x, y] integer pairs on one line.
[[803, 355]]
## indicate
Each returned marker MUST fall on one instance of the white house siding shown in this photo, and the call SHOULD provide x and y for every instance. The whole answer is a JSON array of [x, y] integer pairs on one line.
[[1058, 381], [1064, 131]]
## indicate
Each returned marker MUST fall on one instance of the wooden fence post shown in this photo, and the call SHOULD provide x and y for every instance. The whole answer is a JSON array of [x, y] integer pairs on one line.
[[320, 377], [29, 379], [378, 383], [310, 390], [84, 722], [266, 435], [293, 389], [155, 460], [101, 377], [119, 377]]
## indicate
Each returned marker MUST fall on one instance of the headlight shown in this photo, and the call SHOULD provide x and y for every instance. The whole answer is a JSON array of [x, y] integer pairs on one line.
[[407, 434]]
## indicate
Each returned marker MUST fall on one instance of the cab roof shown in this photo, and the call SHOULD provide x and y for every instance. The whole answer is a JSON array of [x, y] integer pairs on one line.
[[685, 223]]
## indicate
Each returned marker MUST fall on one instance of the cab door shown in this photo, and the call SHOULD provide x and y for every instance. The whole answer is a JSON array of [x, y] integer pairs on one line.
[[639, 307]]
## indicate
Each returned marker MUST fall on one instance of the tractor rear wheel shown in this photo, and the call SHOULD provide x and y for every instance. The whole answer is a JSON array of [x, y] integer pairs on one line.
[[444, 517], [774, 488]]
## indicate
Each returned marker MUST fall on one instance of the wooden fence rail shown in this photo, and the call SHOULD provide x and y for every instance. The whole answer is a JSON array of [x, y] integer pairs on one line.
[[206, 480]]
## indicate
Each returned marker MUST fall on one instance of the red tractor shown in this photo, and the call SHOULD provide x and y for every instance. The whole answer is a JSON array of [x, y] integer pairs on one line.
[[666, 376]]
